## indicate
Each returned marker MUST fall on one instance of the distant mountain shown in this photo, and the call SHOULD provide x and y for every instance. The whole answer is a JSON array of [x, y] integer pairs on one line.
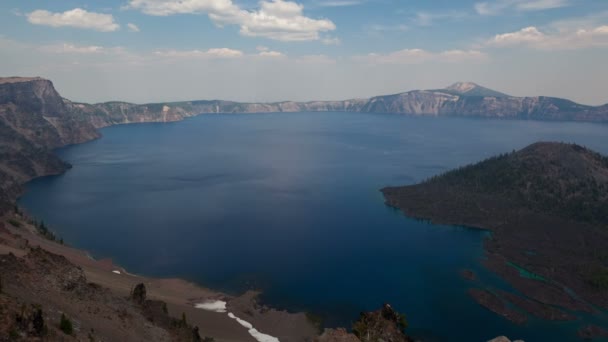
[[463, 99], [34, 118], [471, 89], [459, 100], [472, 100]]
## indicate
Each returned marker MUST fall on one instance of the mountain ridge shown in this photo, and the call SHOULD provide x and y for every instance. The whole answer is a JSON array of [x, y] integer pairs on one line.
[[455, 101], [35, 118]]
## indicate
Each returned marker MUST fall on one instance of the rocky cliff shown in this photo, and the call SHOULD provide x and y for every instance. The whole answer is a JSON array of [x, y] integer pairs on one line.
[[461, 100], [112, 113], [34, 119], [475, 103]]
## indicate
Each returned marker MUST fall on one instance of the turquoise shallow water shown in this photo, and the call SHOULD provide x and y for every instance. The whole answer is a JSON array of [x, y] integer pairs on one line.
[[289, 203]]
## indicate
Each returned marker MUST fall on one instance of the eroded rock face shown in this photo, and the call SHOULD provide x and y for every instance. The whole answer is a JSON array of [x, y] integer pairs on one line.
[[34, 119], [337, 335], [503, 339], [382, 325]]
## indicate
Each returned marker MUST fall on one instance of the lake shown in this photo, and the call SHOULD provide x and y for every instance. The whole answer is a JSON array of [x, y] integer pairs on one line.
[[290, 204]]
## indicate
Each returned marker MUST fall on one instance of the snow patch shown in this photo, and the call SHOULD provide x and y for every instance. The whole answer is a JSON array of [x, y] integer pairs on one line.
[[115, 271], [212, 305], [462, 87], [260, 337]]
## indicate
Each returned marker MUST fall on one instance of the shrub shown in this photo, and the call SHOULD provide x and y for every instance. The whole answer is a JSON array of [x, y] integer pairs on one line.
[[15, 223], [66, 325], [13, 334], [38, 322], [599, 279], [139, 293]]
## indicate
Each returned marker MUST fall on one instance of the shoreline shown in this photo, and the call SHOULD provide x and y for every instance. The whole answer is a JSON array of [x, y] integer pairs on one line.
[[181, 296]]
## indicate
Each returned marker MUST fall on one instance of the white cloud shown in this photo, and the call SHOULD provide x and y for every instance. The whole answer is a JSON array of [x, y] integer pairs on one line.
[[275, 19], [316, 59], [217, 53], [71, 48], [498, 6], [132, 27], [565, 39], [77, 17], [338, 3], [331, 41], [271, 54], [416, 56], [574, 23], [524, 36], [427, 18], [385, 28]]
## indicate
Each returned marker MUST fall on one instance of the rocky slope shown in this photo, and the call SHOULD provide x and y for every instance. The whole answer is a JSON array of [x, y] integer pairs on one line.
[[547, 208], [42, 279]]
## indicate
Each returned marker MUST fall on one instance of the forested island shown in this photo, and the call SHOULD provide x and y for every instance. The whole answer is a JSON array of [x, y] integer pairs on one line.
[[547, 208]]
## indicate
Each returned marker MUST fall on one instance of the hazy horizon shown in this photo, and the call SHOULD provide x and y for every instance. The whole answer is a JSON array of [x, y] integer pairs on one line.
[[146, 51]]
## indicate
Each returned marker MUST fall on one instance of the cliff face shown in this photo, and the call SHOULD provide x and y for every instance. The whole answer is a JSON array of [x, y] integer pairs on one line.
[[34, 119], [112, 113], [449, 103], [460, 99], [33, 108]]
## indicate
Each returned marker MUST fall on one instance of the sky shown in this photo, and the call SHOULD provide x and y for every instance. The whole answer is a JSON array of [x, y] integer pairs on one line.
[[273, 50]]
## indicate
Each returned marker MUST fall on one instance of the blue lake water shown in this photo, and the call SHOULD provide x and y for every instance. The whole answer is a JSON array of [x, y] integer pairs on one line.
[[289, 203]]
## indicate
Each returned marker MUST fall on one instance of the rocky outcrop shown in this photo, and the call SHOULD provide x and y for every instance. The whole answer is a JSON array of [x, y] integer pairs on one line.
[[337, 335], [503, 339], [384, 324]]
